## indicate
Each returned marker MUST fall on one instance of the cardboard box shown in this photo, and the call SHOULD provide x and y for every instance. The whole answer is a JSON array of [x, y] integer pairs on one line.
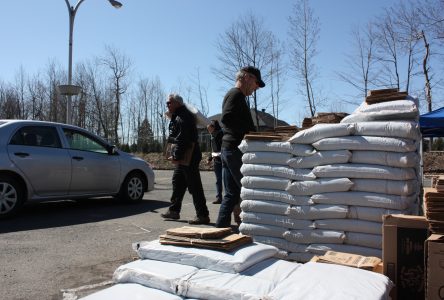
[[369, 263], [435, 267], [403, 254]]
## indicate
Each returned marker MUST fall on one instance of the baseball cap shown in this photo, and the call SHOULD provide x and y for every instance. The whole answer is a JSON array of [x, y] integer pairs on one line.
[[254, 71]]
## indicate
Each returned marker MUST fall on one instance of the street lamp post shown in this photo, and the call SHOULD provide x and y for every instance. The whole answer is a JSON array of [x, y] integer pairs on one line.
[[71, 90]]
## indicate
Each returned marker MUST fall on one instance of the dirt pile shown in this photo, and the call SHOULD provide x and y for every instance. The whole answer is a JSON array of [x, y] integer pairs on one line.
[[158, 162], [433, 162]]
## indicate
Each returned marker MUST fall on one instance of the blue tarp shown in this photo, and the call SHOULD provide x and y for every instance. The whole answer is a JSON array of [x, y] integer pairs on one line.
[[432, 124]]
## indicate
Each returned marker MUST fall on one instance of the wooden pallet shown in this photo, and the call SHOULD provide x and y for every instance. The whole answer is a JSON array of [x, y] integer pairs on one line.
[[385, 95]]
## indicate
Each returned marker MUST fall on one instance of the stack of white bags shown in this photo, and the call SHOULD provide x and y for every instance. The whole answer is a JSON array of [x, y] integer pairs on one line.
[[166, 272], [328, 186]]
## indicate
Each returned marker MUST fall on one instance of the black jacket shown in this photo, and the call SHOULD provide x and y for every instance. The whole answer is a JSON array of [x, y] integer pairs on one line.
[[236, 118], [182, 132], [216, 142]]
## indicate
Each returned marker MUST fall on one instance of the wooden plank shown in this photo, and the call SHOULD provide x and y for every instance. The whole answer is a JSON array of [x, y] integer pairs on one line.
[[383, 91]]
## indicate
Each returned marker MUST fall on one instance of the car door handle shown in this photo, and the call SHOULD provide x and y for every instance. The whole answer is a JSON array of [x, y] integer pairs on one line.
[[21, 154], [77, 157]]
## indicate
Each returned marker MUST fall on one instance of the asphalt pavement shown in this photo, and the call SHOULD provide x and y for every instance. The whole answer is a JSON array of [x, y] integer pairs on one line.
[[69, 249]]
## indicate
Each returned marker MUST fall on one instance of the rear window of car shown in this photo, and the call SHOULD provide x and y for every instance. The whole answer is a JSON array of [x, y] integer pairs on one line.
[[40, 136]]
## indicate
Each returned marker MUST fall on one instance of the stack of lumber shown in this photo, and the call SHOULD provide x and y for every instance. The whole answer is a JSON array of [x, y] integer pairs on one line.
[[209, 238], [434, 207], [307, 123], [323, 118], [328, 118], [279, 133], [378, 96]]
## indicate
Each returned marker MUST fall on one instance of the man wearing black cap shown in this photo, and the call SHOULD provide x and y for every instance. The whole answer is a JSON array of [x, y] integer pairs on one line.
[[237, 121]]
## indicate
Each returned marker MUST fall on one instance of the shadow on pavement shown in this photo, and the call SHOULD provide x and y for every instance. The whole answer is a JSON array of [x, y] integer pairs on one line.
[[48, 214]]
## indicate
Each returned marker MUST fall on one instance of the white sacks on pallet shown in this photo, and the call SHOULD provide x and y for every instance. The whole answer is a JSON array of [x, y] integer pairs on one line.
[[364, 171], [398, 129], [383, 186], [384, 158], [275, 220], [363, 239], [320, 158], [365, 199], [265, 206], [342, 180], [322, 185], [321, 131], [402, 109], [374, 143], [277, 171], [286, 147], [276, 158], [354, 225], [265, 182], [274, 195], [314, 236]]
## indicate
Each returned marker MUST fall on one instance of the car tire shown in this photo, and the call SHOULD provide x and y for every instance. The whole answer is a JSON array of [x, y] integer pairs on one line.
[[12, 196], [132, 189]]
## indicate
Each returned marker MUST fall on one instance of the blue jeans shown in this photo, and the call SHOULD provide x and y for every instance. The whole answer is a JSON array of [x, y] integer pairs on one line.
[[231, 164], [217, 166]]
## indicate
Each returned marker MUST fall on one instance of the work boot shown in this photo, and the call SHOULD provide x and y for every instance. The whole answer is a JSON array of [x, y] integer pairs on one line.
[[174, 215], [199, 220]]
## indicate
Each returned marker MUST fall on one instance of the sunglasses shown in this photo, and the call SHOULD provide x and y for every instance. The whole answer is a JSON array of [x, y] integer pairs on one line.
[[168, 103]]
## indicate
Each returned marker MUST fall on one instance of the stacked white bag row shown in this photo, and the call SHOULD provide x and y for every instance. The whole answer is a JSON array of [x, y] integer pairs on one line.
[[327, 187]]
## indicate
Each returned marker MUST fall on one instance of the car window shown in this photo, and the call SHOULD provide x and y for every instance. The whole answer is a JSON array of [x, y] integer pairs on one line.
[[40, 136], [80, 141]]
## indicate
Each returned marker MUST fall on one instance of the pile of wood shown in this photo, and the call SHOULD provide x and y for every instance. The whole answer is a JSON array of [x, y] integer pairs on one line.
[[323, 118], [208, 238], [384, 95], [434, 206], [279, 133]]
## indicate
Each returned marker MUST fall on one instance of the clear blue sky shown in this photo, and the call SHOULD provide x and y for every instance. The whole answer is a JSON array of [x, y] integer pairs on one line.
[[171, 39]]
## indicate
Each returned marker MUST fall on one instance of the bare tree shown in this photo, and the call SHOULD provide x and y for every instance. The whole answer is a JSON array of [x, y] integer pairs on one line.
[[304, 35], [276, 73], [120, 66], [361, 62], [387, 50], [19, 87], [201, 93], [246, 42], [428, 87]]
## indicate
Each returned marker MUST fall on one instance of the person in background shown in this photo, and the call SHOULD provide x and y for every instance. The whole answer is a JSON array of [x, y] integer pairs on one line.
[[237, 121], [185, 155], [216, 142]]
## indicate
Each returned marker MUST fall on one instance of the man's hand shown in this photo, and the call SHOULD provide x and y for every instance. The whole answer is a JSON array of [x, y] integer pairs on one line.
[[171, 159]]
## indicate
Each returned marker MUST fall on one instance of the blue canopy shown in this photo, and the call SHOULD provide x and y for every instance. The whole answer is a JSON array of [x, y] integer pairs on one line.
[[432, 124]]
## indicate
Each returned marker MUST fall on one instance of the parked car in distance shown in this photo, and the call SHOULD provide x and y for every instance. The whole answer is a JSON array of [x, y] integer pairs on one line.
[[52, 161]]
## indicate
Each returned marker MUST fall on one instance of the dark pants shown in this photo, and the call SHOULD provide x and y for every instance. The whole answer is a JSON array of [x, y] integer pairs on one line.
[[189, 177], [231, 164], [217, 166]]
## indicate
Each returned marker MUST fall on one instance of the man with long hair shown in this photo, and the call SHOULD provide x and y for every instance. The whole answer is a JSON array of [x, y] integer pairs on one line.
[[185, 154]]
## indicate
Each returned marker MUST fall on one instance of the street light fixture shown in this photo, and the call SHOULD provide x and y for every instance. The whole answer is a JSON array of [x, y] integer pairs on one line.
[[71, 90]]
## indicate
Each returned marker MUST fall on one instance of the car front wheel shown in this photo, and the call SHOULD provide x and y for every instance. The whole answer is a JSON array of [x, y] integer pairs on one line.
[[132, 188], [11, 196]]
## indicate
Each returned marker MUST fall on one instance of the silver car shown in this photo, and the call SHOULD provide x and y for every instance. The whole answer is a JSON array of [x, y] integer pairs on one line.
[[50, 161]]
